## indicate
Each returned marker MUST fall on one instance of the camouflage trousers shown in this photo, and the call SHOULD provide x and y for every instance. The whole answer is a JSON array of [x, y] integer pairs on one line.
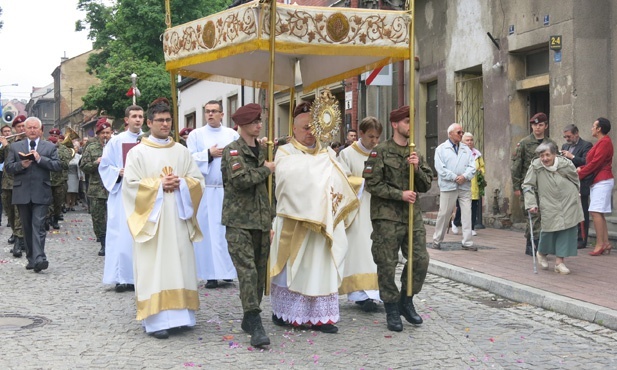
[[249, 250], [388, 237], [58, 196], [98, 211], [12, 213], [535, 219]]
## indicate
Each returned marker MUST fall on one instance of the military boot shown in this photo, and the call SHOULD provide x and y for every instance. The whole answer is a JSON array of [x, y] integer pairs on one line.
[[245, 323], [46, 224], [405, 306], [528, 247], [102, 250], [17, 247], [256, 329], [393, 317], [54, 222]]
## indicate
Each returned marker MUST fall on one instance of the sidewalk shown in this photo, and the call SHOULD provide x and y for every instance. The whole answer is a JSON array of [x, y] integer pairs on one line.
[[501, 267]]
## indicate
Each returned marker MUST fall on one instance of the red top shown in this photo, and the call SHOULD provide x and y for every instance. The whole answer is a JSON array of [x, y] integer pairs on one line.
[[599, 161]]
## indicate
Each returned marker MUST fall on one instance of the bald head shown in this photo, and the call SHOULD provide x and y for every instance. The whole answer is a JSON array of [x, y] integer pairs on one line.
[[302, 130]]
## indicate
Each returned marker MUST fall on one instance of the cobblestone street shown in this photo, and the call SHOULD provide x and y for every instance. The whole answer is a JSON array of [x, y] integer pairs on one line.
[[65, 318]]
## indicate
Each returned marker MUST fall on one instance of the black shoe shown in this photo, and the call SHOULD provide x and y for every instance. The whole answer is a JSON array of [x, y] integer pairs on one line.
[[61, 217], [11, 239], [130, 287], [245, 324], [325, 328], [30, 266], [102, 251], [46, 224], [98, 240], [211, 284], [120, 288], [393, 317], [19, 245], [469, 248], [528, 248], [64, 209], [160, 334], [16, 251], [407, 310], [581, 246], [278, 321], [367, 305], [40, 266], [228, 280]]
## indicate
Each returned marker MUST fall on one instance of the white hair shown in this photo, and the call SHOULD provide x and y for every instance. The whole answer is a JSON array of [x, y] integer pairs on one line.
[[452, 126], [468, 134], [34, 119]]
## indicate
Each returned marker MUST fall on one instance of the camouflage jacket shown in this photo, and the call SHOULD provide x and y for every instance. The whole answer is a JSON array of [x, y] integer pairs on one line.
[[523, 155], [245, 204], [65, 154], [387, 174], [7, 178], [88, 165]]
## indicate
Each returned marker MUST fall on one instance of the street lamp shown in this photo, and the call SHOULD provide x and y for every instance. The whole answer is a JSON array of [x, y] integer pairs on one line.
[[134, 79]]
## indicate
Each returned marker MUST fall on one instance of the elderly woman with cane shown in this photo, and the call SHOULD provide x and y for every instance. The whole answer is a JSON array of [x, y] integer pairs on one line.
[[555, 180]]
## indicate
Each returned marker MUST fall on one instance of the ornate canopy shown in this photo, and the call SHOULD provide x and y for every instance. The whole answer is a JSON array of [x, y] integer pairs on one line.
[[328, 44]]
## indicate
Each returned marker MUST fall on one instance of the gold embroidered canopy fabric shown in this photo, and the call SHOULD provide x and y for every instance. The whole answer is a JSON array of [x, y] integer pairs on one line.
[[329, 44]]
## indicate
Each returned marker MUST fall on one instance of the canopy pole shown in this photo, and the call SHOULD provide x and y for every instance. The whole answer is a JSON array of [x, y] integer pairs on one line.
[[292, 99], [173, 77], [412, 145], [271, 119]]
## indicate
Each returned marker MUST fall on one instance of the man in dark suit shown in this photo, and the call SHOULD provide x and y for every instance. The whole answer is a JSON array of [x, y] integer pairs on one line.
[[575, 149], [32, 188]]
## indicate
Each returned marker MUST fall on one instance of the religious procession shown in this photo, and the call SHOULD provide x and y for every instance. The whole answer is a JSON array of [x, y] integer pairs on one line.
[[300, 219]]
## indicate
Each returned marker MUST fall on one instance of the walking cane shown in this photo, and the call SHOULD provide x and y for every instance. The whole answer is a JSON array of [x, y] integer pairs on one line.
[[533, 244]]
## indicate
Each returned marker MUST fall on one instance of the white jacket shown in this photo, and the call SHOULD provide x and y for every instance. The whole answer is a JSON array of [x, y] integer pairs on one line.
[[449, 165]]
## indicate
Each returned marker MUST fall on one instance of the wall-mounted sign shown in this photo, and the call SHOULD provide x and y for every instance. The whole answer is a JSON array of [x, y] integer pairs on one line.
[[555, 42]]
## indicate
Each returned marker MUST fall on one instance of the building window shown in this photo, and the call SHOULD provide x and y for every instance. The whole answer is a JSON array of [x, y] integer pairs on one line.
[[189, 120], [537, 63]]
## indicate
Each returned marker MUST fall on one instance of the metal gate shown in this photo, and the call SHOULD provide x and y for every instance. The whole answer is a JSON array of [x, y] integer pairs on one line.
[[470, 107]]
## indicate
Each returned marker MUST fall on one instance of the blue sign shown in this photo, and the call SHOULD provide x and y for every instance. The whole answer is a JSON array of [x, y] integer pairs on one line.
[[511, 29], [546, 20], [558, 56]]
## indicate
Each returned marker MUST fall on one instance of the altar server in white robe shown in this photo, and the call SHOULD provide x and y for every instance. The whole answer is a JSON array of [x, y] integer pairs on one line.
[[314, 201], [118, 242], [206, 145], [360, 275], [162, 188]]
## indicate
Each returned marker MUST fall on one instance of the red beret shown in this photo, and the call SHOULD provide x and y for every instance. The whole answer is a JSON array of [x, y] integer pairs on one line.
[[247, 114], [303, 107], [159, 101], [538, 117], [54, 131], [101, 125], [185, 131], [399, 114], [53, 139], [19, 119]]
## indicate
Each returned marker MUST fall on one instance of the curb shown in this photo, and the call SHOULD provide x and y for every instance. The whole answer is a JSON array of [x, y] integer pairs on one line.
[[525, 294]]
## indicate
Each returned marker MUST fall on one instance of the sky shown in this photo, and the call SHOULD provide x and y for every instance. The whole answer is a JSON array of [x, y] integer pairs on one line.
[[35, 35]]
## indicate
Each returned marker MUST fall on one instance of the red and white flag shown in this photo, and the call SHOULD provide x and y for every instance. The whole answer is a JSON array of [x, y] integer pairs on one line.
[[133, 91]]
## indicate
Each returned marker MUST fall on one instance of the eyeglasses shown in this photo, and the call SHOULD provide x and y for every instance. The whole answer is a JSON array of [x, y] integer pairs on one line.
[[161, 120], [460, 132], [213, 111]]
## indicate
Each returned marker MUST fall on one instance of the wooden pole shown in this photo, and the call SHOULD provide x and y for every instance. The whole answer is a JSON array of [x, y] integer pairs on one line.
[[412, 145], [271, 119]]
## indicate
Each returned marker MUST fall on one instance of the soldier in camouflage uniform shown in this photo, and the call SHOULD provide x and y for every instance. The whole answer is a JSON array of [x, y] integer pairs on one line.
[[248, 216], [11, 210], [97, 193], [387, 179], [521, 159], [58, 180]]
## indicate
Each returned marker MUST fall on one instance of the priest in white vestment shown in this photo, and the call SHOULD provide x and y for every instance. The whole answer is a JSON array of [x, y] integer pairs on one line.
[[162, 188], [314, 200], [206, 145], [118, 241], [360, 275]]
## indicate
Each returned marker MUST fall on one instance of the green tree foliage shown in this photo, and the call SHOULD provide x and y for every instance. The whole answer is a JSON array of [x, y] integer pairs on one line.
[[1, 23], [128, 35]]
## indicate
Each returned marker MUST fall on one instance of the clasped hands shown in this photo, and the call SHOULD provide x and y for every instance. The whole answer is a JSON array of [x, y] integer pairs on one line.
[[170, 183], [25, 163]]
